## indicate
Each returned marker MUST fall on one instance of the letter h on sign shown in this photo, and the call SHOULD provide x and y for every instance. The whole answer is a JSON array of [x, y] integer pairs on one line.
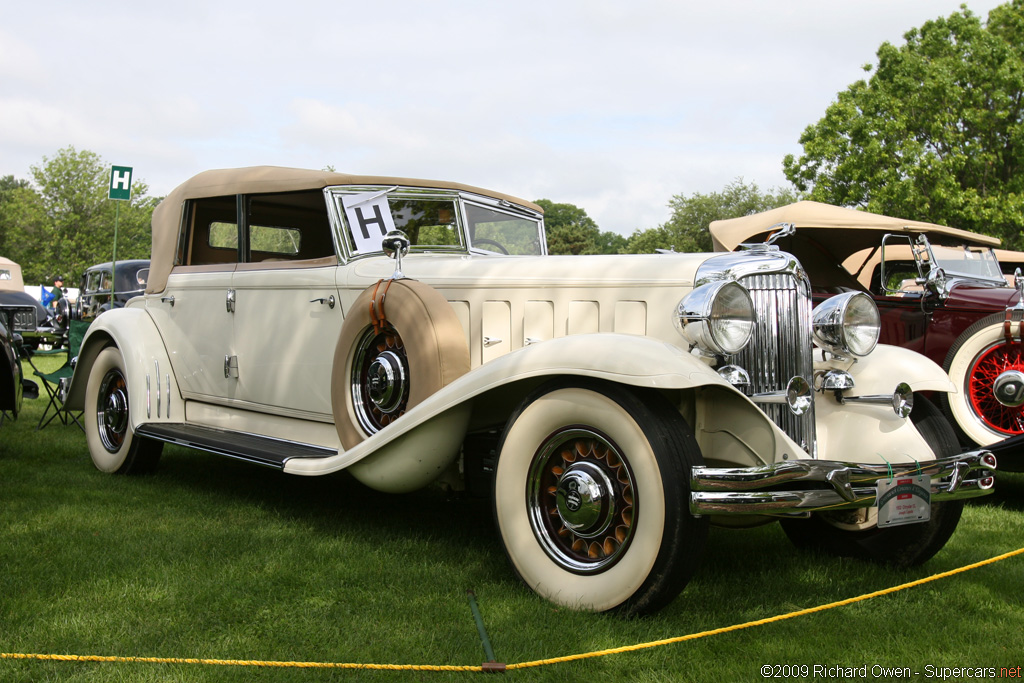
[[120, 182], [369, 219], [364, 223]]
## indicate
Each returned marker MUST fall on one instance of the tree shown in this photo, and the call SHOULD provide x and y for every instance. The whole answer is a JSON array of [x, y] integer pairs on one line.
[[687, 227], [66, 223], [571, 231], [23, 238], [935, 134]]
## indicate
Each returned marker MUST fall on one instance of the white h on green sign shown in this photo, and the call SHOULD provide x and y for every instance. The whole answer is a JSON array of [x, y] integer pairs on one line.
[[120, 182]]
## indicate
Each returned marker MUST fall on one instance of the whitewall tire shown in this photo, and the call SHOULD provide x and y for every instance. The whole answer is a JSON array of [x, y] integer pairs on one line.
[[591, 497], [974, 362], [113, 445]]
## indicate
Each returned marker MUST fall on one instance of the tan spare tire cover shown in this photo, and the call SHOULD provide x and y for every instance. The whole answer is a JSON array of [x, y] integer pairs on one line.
[[432, 337]]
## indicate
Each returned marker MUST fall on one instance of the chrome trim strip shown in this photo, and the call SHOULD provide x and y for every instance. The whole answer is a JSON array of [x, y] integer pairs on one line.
[[757, 490], [156, 364]]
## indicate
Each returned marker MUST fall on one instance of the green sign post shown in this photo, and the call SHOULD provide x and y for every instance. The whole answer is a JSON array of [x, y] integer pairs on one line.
[[120, 189]]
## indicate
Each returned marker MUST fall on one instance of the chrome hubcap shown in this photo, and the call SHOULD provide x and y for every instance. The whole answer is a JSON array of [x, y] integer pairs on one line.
[[386, 381], [380, 379], [112, 410], [581, 500], [585, 500], [1009, 388]]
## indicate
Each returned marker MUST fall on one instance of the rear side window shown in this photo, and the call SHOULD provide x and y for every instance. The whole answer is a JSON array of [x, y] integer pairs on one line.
[[255, 228]]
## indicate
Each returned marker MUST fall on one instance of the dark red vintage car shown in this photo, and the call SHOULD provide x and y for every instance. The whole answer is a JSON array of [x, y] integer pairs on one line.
[[940, 291]]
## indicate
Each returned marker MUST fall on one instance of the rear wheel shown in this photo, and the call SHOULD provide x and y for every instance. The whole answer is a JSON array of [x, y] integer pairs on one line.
[[591, 497], [113, 445], [855, 533]]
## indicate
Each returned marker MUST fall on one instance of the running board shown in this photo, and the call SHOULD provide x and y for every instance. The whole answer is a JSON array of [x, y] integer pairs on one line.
[[252, 448]]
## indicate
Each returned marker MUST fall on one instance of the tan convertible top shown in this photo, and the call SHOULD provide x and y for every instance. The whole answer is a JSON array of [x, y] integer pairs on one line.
[[15, 283], [841, 231], [264, 179]]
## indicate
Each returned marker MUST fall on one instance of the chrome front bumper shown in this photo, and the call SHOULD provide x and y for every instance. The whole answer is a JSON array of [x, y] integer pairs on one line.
[[799, 487]]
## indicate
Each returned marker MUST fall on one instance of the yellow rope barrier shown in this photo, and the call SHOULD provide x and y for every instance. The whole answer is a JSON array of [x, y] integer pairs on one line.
[[491, 666], [238, 662], [769, 620]]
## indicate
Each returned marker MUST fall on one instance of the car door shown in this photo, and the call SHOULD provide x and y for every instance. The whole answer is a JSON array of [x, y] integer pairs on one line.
[[195, 312], [287, 313]]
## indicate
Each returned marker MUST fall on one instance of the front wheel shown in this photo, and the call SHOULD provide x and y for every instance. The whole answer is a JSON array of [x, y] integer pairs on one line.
[[113, 445], [591, 497], [855, 533], [974, 362]]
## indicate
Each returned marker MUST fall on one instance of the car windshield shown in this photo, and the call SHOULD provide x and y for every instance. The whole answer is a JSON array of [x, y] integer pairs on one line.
[[977, 262]]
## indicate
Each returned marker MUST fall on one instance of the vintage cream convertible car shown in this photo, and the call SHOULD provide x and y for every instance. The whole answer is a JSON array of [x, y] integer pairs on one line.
[[613, 406]]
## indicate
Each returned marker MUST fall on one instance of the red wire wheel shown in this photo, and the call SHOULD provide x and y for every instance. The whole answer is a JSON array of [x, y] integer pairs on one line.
[[980, 355], [982, 375]]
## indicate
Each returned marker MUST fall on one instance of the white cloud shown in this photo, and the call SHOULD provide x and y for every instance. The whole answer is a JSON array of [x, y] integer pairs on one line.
[[611, 106]]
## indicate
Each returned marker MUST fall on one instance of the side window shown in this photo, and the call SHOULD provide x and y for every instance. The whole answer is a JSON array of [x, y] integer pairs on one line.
[[502, 233], [290, 226], [210, 232], [429, 223], [95, 284]]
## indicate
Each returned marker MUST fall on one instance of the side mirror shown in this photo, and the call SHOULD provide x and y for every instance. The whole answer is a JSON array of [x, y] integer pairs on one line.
[[396, 245]]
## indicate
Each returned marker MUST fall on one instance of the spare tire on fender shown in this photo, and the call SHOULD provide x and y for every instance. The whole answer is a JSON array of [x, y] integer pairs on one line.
[[400, 342]]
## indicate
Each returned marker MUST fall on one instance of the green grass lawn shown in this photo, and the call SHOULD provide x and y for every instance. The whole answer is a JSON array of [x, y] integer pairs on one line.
[[214, 559]]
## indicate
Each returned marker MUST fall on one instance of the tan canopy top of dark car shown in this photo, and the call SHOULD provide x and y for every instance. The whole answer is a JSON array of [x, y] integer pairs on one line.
[[10, 276], [264, 179], [840, 231], [828, 237]]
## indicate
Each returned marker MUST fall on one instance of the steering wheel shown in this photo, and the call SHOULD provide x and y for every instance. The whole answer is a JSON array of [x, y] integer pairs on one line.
[[499, 246]]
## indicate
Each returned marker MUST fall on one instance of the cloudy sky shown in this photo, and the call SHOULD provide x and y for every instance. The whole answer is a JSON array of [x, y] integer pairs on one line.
[[612, 106]]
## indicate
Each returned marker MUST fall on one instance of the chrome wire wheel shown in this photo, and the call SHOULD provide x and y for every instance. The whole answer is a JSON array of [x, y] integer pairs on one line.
[[380, 379], [112, 410], [581, 501]]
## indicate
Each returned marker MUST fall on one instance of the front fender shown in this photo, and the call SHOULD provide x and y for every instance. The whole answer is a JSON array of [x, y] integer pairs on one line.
[[624, 359], [888, 365], [153, 390]]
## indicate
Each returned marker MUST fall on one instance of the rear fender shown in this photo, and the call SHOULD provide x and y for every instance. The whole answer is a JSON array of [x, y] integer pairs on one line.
[[153, 391]]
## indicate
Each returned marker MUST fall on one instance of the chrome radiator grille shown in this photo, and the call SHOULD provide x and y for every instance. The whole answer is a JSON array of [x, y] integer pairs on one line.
[[780, 347]]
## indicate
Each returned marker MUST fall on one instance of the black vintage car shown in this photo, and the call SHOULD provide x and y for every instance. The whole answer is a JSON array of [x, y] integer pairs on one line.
[[13, 386], [96, 294], [39, 326]]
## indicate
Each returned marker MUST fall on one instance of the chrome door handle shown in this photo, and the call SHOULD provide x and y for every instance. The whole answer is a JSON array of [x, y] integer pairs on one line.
[[167, 300], [324, 300]]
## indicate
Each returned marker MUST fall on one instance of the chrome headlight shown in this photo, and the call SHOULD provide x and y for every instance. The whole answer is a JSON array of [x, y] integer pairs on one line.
[[717, 317], [847, 324]]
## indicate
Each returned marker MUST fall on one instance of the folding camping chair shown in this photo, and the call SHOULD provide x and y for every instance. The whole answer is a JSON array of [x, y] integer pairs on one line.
[[55, 383]]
